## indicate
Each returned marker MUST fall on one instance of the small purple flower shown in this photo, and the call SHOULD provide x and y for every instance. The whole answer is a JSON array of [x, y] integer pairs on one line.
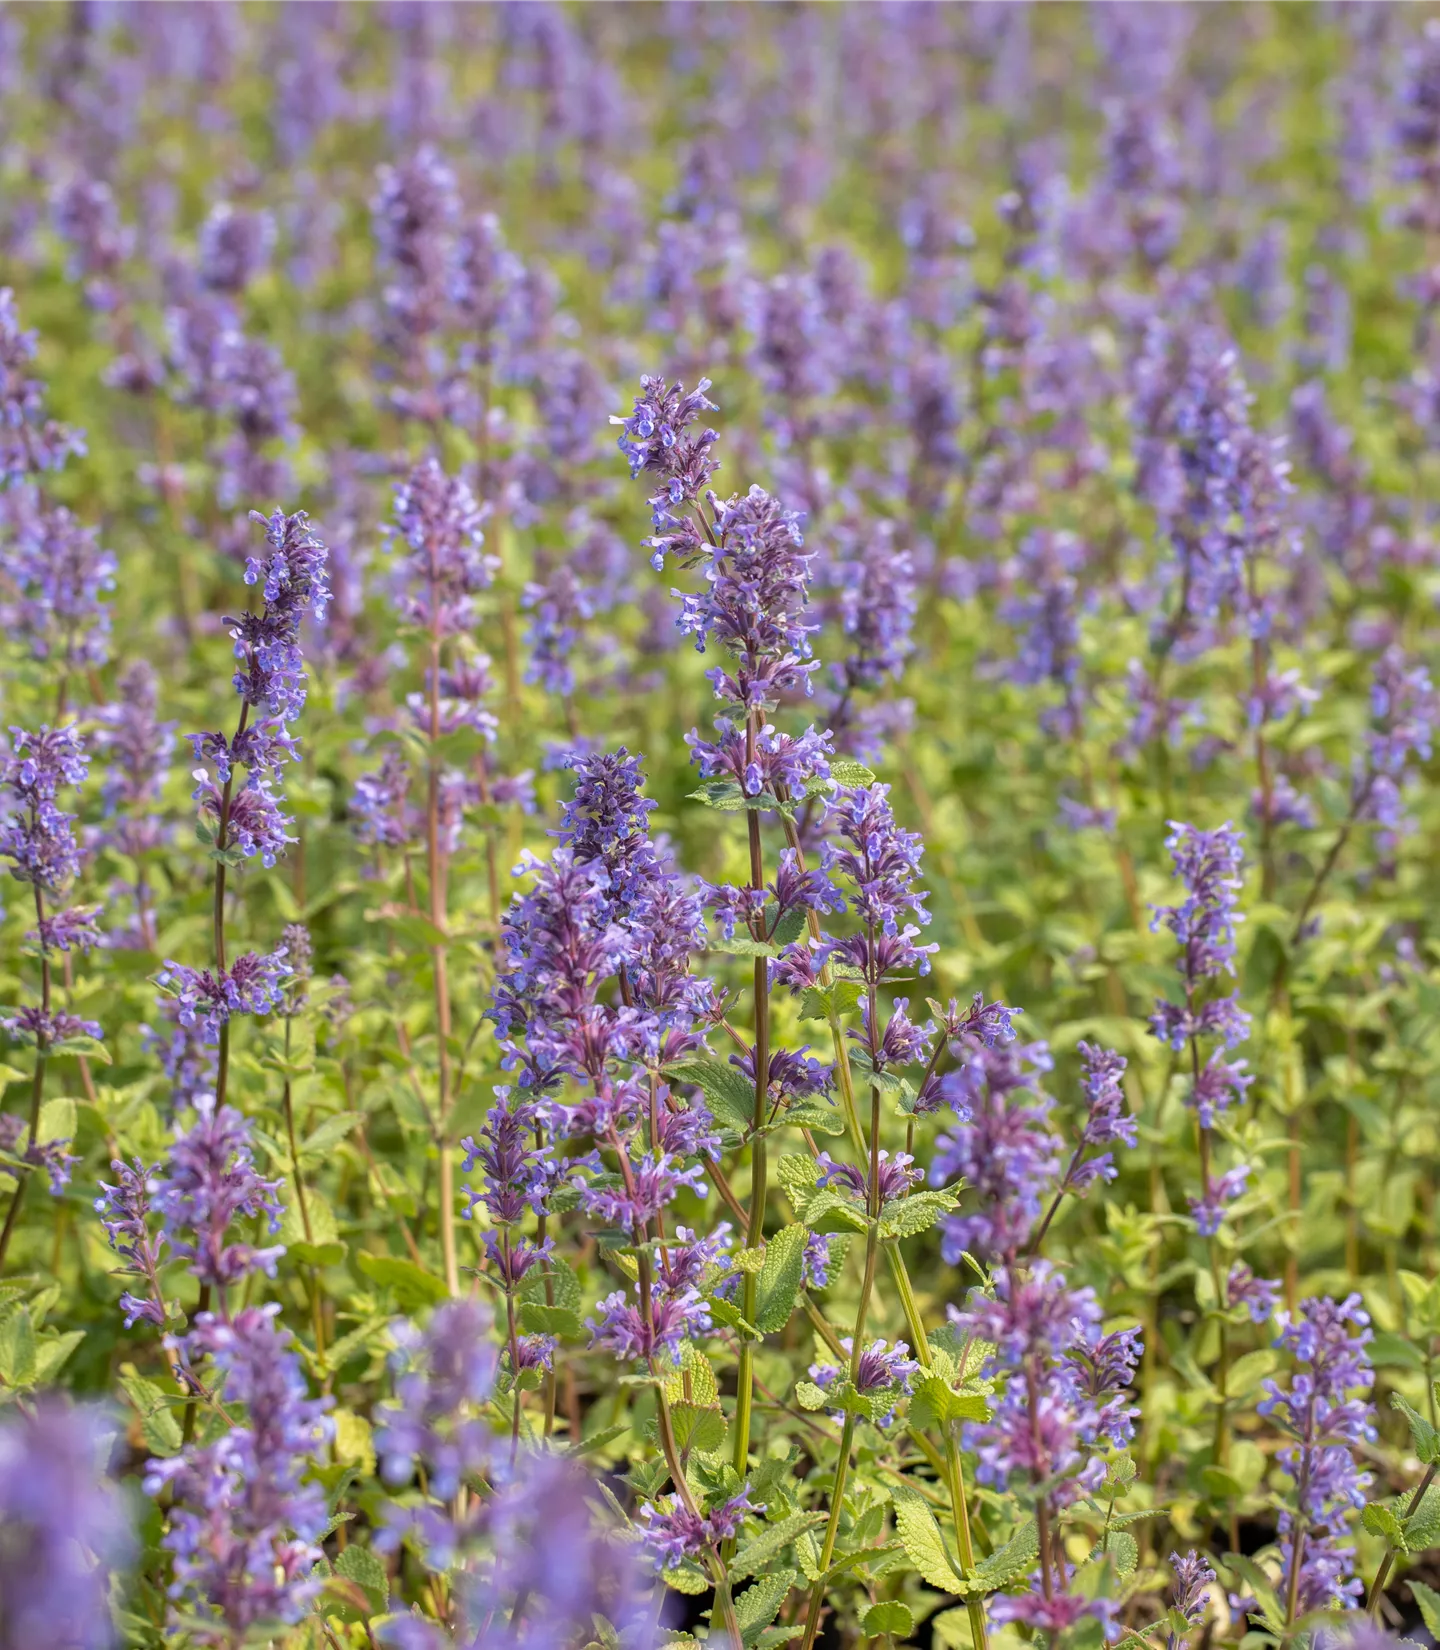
[[1209, 1209], [1259, 1296], [67, 1535], [245, 1521], [251, 985], [210, 1181]]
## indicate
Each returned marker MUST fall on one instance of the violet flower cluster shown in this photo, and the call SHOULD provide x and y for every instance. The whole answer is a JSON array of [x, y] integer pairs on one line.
[[1063, 1403], [1208, 863], [1326, 1425]]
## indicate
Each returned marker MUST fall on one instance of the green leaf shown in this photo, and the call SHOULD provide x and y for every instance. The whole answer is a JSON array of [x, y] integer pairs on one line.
[[725, 795], [773, 1539], [1123, 1549], [797, 1175], [51, 1353], [360, 1565], [686, 1578], [17, 1349], [742, 945], [839, 998], [598, 1440], [555, 1284], [814, 1115], [1424, 1437], [758, 1606], [694, 1381], [1249, 1370], [810, 1396], [538, 1319], [731, 1094], [1422, 1528], [832, 1212], [890, 1617], [329, 1134], [845, 770], [905, 1216], [158, 1423], [316, 1254], [934, 1402], [730, 1316], [698, 1427], [923, 1543], [57, 1120], [1428, 1601], [780, 1278], [1382, 1521], [1008, 1563], [412, 1286]]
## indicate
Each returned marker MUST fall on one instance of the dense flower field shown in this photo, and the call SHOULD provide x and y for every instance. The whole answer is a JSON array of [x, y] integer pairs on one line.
[[721, 905]]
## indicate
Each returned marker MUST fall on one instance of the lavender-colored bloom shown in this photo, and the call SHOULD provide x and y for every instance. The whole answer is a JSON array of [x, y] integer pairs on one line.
[[1045, 611], [235, 247], [1063, 1384], [138, 747], [245, 1524], [674, 1319], [74, 929], [1258, 1296], [883, 1369], [896, 1175], [439, 521], [30, 443], [672, 1533], [87, 219], [1208, 862], [50, 1155], [819, 1259], [877, 857], [293, 580], [186, 1052], [655, 442], [443, 1377], [1194, 1577], [251, 985], [124, 1209], [1209, 1209], [753, 603], [1004, 1149], [381, 804], [36, 837], [49, 1030], [1417, 131], [548, 1564], [209, 1182], [1106, 1119], [414, 214], [516, 1170], [64, 1533], [60, 578], [1325, 1424], [254, 822], [1403, 712], [253, 387]]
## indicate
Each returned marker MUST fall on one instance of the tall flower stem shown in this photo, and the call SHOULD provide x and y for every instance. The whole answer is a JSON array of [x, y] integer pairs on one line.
[[222, 1068], [312, 1282], [954, 1473], [439, 960], [37, 1088]]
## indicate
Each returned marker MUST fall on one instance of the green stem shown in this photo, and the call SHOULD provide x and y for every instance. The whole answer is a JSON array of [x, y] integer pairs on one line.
[[832, 1529]]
